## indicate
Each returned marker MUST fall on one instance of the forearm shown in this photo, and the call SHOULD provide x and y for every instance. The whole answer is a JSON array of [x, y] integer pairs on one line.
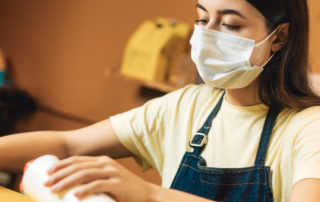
[[160, 194], [16, 150], [95, 140]]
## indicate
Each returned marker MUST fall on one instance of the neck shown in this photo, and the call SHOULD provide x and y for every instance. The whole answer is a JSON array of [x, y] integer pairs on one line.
[[244, 96]]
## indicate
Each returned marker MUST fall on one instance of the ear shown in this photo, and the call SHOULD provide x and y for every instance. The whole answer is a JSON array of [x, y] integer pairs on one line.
[[281, 37]]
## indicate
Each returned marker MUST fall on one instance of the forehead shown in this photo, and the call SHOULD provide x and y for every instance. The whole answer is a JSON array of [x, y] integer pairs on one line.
[[243, 6]]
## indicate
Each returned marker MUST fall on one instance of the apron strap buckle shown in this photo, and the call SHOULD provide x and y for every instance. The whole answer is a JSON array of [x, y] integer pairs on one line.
[[199, 140]]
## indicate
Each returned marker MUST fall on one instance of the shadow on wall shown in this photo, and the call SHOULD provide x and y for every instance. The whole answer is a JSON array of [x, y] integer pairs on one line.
[[15, 105]]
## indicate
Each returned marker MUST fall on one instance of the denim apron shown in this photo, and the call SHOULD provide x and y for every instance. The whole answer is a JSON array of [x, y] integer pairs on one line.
[[226, 184]]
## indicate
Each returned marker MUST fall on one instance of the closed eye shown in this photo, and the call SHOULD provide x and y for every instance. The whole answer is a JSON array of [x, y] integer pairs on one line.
[[231, 27], [203, 22]]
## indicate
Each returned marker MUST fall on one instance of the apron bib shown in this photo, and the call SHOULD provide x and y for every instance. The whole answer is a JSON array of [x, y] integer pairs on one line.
[[226, 184]]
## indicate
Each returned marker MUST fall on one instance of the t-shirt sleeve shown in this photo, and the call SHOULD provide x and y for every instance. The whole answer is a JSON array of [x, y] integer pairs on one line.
[[306, 150], [142, 130]]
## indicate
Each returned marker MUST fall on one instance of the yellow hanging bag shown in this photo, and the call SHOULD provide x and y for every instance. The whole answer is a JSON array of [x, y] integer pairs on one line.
[[152, 52]]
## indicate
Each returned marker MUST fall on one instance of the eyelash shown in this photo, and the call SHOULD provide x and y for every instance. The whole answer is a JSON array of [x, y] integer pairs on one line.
[[230, 27], [201, 21]]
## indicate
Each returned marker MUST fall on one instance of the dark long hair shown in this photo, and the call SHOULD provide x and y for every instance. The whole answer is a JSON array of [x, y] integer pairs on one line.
[[284, 82]]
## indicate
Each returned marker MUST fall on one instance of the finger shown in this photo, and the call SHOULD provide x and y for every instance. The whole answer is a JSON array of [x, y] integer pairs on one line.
[[95, 187], [68, 161], [81, 177], [68, 170]]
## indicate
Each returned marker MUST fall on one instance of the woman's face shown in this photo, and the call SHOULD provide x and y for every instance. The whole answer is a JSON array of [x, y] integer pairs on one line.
[[240, 18]]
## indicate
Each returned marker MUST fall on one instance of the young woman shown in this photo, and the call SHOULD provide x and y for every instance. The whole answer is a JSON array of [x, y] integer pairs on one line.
[[251, 133]]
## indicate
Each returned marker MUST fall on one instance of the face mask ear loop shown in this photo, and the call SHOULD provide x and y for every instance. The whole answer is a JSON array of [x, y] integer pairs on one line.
[[268, 37], [268, 60]]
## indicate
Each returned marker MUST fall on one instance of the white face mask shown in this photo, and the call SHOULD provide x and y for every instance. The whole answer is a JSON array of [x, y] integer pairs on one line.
[[223, 60]]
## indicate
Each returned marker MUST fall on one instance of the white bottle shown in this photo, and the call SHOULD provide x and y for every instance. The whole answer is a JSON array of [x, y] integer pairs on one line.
[[35, 175]]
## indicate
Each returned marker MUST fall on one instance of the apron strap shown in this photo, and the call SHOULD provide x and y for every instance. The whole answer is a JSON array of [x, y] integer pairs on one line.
[[266, 136], [200, 139]]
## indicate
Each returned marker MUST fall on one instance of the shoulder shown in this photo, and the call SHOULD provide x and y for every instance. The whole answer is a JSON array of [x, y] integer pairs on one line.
[[189, 95], [305, 147], [304, 127], [298, 118], [195, 89], [199, 92], [298, 125], [185, 102], [307, 115]]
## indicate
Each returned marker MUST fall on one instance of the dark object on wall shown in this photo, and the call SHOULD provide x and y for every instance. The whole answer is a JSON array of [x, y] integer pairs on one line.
[[15, 105]]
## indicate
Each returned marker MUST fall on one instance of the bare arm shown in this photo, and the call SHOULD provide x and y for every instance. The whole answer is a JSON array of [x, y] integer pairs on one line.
[[306, 190], [97, 139], [160, 194]]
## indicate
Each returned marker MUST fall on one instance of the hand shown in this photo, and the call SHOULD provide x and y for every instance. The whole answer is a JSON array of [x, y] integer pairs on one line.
[[98, 175]]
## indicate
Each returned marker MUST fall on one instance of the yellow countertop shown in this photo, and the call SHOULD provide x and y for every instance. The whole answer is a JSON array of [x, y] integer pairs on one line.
[[7, 195]]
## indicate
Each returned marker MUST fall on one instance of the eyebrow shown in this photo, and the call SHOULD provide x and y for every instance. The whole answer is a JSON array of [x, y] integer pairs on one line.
[[230, 11], [224, 11], [201, 7]]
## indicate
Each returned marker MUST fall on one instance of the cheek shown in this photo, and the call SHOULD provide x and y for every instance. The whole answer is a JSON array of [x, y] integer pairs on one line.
[[261, 54]]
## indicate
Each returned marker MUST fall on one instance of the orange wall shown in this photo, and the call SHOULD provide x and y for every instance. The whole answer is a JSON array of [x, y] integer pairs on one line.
[[315, 34], [62, 49]]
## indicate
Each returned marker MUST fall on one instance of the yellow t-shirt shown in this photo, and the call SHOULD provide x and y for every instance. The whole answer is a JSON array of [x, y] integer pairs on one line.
[[158, 134]]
